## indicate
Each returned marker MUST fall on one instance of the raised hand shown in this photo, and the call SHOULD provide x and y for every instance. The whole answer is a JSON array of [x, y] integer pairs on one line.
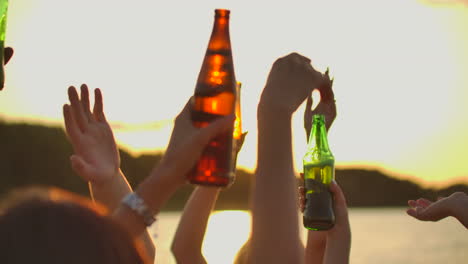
[[326, 106], [291, 79], [182, 134], [96, 157], [455, 205]]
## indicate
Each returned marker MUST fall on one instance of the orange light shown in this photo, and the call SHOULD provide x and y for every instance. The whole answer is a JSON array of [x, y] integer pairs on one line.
[[238, 122], [214, 105], [217, 60]]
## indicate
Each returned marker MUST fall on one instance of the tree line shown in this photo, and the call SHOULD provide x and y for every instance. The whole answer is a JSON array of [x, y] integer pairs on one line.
[[39, 155]]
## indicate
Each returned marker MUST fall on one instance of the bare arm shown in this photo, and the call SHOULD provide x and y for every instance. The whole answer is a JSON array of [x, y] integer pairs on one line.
[[190, 233], [455, 205], [188, 239], [275, 230], [339, 237], [170, 173], [331, 246], [316, 243], [96, 158]]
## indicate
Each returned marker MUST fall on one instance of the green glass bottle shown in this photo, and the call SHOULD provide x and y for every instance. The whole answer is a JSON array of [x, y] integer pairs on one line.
[[319, 171], [3, 19]]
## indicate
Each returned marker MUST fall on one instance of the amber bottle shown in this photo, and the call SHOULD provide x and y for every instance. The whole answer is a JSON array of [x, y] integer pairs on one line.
[[214, 97]]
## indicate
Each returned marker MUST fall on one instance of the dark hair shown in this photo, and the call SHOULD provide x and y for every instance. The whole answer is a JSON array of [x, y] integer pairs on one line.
[[53, 226]]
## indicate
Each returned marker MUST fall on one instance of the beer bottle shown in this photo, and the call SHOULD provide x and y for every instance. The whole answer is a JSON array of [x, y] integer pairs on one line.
[[3, 20], [214, 97], [319, 171]]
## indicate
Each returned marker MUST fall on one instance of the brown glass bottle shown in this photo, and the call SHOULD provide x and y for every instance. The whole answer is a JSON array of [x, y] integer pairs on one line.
[[214, 97]]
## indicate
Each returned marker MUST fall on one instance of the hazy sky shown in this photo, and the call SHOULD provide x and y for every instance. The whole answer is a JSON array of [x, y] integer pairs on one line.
[[400, 70]]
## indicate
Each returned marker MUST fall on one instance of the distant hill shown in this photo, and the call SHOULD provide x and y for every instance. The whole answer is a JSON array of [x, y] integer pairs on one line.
[[34, 154]]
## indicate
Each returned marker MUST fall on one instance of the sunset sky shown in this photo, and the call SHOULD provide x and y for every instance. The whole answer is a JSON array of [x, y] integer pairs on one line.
[[400, 68]]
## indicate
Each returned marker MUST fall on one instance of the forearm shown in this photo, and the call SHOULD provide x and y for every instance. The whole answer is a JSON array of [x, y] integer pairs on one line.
[[274, 196], [337, 253], [155, 190], [111, 194], [338, 245], [460, 208], [315, 246], [188, 239]]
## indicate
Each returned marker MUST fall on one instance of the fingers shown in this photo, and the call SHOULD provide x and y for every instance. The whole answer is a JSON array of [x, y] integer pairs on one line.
[[98, 109], [183, 156], [77, 109], [240, 142], [412, 203], [309, 104], [184, 114], [325, 89], [7, 54], [308, 116], [423, 202], [425, 210], [73, 131], [85, 102], [302, 199], [215, 128], [338, 194]]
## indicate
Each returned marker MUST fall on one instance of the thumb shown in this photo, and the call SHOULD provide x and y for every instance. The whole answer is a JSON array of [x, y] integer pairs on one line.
[[81, 167]]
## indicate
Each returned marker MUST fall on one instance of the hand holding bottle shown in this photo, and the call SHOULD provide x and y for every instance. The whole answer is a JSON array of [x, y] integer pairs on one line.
[[455, 205], [183, 126], [332, 244], [291, 79], [214, 97]]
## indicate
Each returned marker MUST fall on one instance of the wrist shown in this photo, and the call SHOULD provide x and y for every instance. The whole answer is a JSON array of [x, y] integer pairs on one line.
[[459, 208], [109, 182], [157, 188], [268, 109], [267, 115]]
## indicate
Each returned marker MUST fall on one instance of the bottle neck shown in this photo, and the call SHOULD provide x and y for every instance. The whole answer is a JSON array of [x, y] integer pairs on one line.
[[318, 135], [220, 40]]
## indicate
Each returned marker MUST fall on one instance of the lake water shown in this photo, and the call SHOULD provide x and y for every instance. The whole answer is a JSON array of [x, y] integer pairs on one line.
[[383, 236]]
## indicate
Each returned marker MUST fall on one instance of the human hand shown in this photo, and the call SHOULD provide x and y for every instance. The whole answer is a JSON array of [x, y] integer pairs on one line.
[[332, 245], [183, 127], [326, 106], [187, 143], [455, 205], [96, 157], [340, 207], [7, 54], [291, 79]]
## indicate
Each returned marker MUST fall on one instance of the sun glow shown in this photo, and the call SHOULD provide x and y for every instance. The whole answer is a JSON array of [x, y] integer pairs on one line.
[[230, 227]]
